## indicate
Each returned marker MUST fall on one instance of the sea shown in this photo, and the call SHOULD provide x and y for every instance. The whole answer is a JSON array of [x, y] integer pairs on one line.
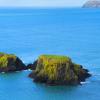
[[31, 32]]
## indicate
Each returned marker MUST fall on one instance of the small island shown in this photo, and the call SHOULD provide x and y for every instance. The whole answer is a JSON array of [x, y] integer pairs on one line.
[[58, 70], [10, 63], [92, 4]]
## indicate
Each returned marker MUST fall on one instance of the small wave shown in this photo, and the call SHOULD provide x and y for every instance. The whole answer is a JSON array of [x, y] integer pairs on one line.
[[27, 70], [87, 82], [3, 72]]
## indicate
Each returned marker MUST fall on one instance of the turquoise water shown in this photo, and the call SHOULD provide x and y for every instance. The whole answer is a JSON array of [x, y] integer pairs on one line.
[[30, 32]]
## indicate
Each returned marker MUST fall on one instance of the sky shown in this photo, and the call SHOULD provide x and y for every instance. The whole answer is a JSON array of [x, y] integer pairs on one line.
[[41, 3]]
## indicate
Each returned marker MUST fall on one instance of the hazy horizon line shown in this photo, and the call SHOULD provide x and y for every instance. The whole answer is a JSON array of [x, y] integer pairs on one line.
[[39, 7]]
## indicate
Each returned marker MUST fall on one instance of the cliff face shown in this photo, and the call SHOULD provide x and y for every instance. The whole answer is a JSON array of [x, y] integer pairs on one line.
[[58, 70], [92, 4]]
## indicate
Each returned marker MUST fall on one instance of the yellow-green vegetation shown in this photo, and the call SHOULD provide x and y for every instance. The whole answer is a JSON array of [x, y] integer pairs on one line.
[[57, 69], [52, 63], [77, 68], [55, 58], [5, 58]]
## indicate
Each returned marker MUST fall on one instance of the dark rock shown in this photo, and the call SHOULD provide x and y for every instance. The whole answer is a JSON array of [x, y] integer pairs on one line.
[[32, 66], [58, 70]]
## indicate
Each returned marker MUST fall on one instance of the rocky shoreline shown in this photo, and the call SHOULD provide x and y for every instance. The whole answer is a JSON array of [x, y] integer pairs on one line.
[[48, 69]]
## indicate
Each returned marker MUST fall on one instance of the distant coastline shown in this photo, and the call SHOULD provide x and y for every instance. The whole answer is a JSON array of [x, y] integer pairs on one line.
[[92, 4]]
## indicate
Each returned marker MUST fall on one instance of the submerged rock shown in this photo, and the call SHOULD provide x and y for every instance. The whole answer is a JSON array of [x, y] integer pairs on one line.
[[92, 4], [10, 62], [58, 70]]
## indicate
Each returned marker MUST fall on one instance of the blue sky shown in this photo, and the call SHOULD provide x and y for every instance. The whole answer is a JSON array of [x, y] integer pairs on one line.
[[41, 3]]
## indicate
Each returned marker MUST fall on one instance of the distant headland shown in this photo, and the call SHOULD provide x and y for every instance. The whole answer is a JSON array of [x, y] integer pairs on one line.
[[92, 4]]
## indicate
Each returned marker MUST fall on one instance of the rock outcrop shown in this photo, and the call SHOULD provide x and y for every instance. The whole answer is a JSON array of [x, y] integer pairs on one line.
[[32, 66], [58, 70], [92, 4], [10, 63]]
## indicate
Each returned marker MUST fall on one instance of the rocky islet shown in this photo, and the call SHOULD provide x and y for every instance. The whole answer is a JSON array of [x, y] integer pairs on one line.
[[58, 70]]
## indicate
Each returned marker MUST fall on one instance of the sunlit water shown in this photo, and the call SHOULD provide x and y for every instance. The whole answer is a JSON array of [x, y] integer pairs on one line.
[[28, 33]]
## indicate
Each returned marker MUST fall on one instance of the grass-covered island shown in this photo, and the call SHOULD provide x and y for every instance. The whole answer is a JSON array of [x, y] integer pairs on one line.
[[10, 62], [58, 70]]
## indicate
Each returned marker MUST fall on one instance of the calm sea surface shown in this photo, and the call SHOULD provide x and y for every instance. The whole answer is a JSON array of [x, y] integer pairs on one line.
[[29, 33]]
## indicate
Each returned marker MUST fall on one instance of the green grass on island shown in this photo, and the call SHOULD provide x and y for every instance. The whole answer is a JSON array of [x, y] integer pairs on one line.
[[5, 58], [55, 58]]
